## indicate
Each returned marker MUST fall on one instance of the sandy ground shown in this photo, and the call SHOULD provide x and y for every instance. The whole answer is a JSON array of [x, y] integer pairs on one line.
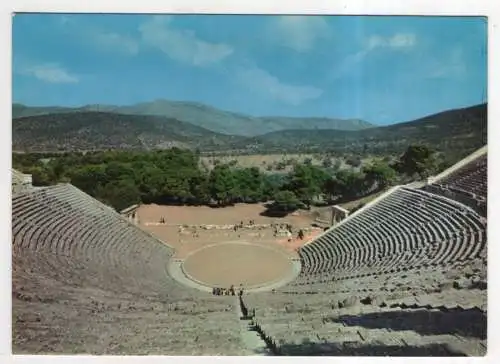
[[207, 215], [229, 264], [149, 217]]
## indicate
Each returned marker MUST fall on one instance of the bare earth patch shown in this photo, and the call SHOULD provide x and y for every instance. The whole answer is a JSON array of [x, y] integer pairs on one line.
[[188, 241], [237, 263]]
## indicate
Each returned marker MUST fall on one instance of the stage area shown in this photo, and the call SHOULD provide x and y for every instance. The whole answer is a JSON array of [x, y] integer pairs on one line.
[[235, 263]]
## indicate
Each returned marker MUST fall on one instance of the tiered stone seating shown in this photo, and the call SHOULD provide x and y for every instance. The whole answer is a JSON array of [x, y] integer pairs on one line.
[[87, 281], [404, 276], [409, 229], [20, 181], [466, 183], [315, 325], [412, 257], [471, 179]]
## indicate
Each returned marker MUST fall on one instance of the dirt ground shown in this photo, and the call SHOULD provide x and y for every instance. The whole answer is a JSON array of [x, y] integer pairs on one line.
[[188, 241], [223, 265]]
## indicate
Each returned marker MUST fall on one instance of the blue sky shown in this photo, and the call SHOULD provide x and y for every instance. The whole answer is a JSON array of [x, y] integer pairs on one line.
[[380, 69]]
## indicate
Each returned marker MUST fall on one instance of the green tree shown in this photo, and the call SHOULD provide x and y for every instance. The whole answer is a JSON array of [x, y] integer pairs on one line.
[[119, 194], [250, 184], [350, 184], [199, 187], [332, 188], [272, 184], [39, 175], [306, 182], [353, 161], [285, 201], [222, 184], [417, 159], [379, 174], [116, 171], [89, 178], [327, 162]]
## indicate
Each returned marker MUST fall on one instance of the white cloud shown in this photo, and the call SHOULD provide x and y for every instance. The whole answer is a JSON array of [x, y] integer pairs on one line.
[[452, 66], [298, 32], [261, 81], [403, 40], [182, 45], [98, 37], [397, 41], [49, 72], [114, 41]]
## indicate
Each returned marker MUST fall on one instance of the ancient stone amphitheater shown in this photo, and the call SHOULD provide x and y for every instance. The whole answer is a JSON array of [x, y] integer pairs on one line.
[[405, 275]]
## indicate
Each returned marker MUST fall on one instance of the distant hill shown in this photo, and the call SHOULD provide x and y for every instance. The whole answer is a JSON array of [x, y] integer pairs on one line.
[[101, 130], [459, 129], [206, 117], [20, 110]]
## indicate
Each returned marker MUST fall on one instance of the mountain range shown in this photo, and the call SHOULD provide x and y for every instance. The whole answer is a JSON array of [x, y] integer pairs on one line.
[[449, 130], [208, 117], [56, 129], [90, 130]]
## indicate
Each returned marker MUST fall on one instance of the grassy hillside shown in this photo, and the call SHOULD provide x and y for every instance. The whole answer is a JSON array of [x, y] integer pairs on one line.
[[101, 130], [20, 110], [457, 131], [207, 117], [460, 129]]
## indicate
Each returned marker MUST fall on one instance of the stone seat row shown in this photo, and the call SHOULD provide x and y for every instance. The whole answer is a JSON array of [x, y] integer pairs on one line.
[[288, 323], [470, 179], [445, 231], [67, 246]]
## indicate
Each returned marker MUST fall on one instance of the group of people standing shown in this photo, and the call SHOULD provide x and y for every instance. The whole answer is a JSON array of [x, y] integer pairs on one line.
[[231, 291], [289, 229], [241, 225]]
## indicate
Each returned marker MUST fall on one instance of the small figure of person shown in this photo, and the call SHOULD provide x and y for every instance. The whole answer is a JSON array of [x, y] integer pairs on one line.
[[240, 293]]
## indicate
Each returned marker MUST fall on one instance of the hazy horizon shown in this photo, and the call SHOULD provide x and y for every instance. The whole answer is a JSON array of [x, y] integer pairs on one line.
[[260, 116], [380, 69]]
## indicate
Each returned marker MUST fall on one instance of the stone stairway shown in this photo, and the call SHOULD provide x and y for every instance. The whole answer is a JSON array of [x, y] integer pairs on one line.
[[375, 331], [250, 336]]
